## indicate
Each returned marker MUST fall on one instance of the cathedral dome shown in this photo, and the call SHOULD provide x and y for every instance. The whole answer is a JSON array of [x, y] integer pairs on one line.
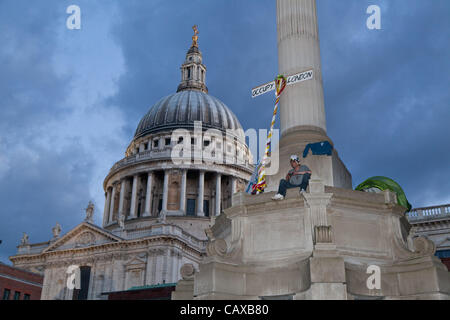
[[181, 109], [163, 176], [190, 103]]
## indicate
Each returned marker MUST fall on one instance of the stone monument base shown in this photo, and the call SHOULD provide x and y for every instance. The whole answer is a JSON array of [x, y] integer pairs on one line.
[[318, 245]]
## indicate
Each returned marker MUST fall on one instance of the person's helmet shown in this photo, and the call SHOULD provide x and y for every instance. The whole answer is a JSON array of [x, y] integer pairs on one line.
[[295, 158]]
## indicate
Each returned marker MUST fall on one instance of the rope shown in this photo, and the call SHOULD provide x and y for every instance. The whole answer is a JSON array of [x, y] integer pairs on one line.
[[280, 83]]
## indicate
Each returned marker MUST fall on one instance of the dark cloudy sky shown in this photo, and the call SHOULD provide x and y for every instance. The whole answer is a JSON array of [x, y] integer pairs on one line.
[[70, 100]]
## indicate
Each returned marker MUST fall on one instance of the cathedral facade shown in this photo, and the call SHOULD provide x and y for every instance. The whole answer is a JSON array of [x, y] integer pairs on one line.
[[156, 209]]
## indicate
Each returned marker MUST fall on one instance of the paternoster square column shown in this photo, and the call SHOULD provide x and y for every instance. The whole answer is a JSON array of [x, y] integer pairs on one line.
[[302, 111], [302, 104]]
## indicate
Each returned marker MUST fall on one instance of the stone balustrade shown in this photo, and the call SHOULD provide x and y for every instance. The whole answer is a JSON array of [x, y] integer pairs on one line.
[[154, 230], [32, 248], [166, 153], [429, 213]]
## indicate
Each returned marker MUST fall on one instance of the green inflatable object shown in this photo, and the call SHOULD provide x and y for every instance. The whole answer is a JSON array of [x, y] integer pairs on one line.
[[384, 183]]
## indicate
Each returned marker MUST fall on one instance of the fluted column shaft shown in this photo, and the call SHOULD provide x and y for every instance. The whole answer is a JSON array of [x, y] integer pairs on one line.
[[183, 191], [133, 211], [111, 205], [233, 185], [122, 198], [107, 204], [218, 193], [148, 195], [302, 104], [165, 191], [201, 192]]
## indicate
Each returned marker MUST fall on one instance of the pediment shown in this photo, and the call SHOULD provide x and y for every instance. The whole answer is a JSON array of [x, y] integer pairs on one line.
[[136, 262], [82, 236]]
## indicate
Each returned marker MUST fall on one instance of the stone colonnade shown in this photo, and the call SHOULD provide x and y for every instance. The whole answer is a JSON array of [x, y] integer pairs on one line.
[[135, 196]]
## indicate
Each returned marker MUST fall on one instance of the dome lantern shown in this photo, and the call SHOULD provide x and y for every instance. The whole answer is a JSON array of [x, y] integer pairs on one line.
[[190, 103], [193, 71]]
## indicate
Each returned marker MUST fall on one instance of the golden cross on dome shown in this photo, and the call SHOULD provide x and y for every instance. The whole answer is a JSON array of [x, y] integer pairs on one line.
[[195, 37]]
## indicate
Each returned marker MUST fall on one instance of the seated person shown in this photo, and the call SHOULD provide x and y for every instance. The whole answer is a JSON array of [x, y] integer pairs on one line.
[[298, 176]]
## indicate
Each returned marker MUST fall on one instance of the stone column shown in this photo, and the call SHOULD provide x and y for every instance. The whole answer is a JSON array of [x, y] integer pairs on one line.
[[173, 266], [107, 284], [183, 192], [233, 185], [133, 197], [302, 104], [111, 205], [122, 197], [46, 285], [165, 191], [201, 192], [107, 204], [218, 193], [302, 112], [148, 195]]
